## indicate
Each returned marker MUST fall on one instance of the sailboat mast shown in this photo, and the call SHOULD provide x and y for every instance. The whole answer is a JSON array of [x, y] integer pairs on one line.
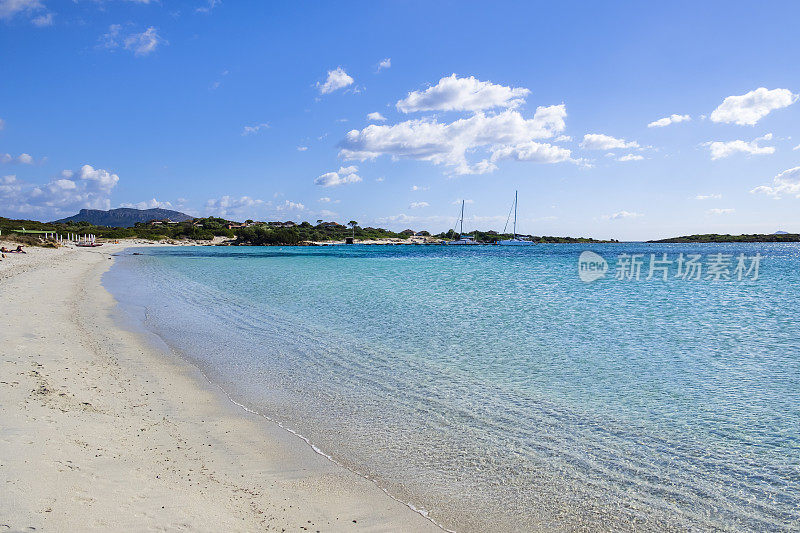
[[462, 218], [515, 213]]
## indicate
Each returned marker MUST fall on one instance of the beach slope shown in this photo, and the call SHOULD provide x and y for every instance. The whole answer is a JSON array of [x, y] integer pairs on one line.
[[100, 429]]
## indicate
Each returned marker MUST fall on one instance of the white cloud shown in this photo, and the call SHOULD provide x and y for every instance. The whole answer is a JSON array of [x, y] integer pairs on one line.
[[231, 206], [88, 188], [786, 183], [417, 205], [141, 44], [43, 21], [708, 197], [621, 215], [290, 206], [718, 211], [386, 63], [666, 121], [796, 147], [376, 117], [463, 94], [721, 149], [302, 148], [337, 79], [325, 200], [447, 143], [563, 138], [749, 108], [252, 130], [25, 159], [148, 204], [210, 5], [630, 157], [110, 39], [380, 179], [419, 188], [2, 124], [344, 176], [600, 141], [459, 200], [532, 151], [11, 8]]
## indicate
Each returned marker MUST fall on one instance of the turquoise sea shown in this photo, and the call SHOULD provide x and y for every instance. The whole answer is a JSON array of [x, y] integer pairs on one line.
[[492, 389]]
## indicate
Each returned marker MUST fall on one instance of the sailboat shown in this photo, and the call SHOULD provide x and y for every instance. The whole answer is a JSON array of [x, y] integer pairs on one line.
[[463, 239], [514, 240]]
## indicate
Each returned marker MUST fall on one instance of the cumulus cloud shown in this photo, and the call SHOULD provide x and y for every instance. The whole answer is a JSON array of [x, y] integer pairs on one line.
[[447, 143], [232, 206], [141, 44], [708, 197], [386, 63], [148, 204], [290, 206], [344, 176], [23, 158], [463, 94], [417, 205], [600, 141], [532, 151], [666, 121], [747, 109], [621, 215], [630, 157], [376, 117], [419, 188], [302, 148], [720, 211], [87, 188], [337, 79], [252, 130], [787, 183], [719, 149]]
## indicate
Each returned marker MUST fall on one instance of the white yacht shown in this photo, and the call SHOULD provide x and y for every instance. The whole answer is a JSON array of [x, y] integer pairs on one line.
[[515, 241], [463, 238]]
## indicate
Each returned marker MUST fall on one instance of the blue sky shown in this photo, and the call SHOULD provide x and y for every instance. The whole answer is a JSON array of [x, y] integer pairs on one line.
[[260, 110]]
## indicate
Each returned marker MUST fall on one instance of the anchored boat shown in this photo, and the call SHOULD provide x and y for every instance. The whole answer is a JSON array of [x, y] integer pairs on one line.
[[515, 241]]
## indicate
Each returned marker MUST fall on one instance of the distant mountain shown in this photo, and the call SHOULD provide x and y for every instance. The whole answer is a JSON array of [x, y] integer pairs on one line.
[[124, 217], [781, 233]]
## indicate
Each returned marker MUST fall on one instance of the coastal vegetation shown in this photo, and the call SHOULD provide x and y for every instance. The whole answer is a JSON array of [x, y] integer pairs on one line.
[[290, 233], [715, 237]]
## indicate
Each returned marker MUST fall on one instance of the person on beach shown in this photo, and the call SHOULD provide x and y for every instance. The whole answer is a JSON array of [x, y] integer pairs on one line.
[[19, 250]]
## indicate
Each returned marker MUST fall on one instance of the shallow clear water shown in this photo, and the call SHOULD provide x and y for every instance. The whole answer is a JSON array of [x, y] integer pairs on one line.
[[494, 389]]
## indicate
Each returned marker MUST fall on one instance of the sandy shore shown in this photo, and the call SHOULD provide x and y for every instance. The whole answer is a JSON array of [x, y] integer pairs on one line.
[[102, 430]]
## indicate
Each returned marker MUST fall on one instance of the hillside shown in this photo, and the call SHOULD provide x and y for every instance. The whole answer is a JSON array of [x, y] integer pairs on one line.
[[714, 237], [124, 217]]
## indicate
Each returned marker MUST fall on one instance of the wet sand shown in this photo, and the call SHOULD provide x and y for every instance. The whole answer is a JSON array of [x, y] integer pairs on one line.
[[101, 429]]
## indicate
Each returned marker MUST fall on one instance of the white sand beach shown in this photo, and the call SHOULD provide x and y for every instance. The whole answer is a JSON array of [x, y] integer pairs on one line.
[[100, 430]]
